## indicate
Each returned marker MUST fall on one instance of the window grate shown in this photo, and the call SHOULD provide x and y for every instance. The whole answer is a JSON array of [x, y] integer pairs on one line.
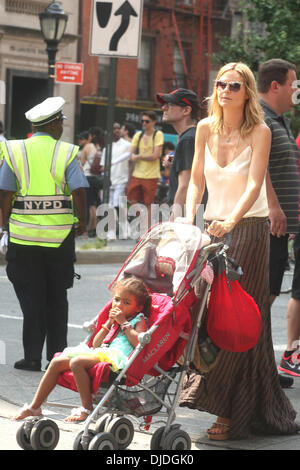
[[25, 7]]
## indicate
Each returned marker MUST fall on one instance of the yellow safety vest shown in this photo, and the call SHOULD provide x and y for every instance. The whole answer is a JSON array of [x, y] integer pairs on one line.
[[42, 209]]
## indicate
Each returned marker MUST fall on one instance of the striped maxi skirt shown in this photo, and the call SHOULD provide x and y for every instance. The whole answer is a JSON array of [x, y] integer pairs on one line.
[[244, 387]]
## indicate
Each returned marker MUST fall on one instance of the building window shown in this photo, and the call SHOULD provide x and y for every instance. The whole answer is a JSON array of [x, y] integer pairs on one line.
[[145, 70], [103, 76], [180, 78]]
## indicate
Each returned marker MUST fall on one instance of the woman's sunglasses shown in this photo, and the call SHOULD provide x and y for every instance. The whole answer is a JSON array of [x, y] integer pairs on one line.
[[233, 86]]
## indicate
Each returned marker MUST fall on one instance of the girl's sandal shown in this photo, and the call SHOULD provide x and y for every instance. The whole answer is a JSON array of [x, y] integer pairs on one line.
[[26, 412], [219, 431], [78, 415]]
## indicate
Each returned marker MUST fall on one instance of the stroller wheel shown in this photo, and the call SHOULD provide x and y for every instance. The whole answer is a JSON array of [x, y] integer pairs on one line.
[[77, 443], [155, 443], [44, 435], [103, 441], [177, 439], [102, 422], [23, 439], [122, 430]]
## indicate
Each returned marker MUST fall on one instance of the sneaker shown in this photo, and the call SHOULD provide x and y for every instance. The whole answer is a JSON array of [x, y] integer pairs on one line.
[[290, 365]]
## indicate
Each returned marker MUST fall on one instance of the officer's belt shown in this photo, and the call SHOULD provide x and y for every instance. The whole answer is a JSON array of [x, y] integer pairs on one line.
[[43, 205]]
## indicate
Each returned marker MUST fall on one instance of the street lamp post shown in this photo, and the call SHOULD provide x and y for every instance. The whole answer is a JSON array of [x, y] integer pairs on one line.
[[53, 21]]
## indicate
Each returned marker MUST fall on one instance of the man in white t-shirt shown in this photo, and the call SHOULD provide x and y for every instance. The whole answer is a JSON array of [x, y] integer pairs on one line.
[[119, 171]]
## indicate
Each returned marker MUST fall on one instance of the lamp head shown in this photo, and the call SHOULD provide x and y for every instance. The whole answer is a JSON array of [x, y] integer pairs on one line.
[[53, 21]]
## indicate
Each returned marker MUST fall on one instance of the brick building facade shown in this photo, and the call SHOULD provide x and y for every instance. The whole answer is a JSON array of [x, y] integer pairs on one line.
[[178, 39]]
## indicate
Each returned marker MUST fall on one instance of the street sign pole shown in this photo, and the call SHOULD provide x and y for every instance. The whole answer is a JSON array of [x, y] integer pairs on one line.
[[116, 28], [109, 126]]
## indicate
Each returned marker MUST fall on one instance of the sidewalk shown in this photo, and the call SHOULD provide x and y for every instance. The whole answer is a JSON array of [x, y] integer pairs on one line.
[[116, 251], [18, 387]]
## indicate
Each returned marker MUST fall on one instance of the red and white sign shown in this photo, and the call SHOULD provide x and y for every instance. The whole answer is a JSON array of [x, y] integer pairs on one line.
[[69, 73]]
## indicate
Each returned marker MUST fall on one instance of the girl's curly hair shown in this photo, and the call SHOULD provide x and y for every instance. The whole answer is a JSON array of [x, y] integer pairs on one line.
[[138, 288]]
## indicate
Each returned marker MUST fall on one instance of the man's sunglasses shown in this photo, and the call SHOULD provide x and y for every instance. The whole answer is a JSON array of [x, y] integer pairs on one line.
[[233, 86], [145, 120]]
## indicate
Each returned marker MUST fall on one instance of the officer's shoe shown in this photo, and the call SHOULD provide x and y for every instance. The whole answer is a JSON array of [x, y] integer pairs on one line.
[[28, 365]]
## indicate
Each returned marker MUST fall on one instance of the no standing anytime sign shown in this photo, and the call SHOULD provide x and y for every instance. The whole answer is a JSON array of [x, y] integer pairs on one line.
[[69, 73]]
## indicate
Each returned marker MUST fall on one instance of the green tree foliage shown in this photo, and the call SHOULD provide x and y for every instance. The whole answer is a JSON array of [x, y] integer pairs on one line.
[[273, 32], [278, 38]]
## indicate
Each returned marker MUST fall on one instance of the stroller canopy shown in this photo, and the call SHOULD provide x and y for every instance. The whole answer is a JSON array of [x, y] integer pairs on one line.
[[164, 256]]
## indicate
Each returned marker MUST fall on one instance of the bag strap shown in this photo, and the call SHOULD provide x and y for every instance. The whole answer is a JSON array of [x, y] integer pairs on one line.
[[139, 140]]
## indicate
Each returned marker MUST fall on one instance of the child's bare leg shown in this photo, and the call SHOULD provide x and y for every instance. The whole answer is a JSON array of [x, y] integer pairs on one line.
[[47, 384], [79, 366], [49, 380]]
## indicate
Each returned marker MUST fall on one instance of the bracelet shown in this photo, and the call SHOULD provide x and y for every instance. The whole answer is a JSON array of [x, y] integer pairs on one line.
[[105, 328], [126, 325]]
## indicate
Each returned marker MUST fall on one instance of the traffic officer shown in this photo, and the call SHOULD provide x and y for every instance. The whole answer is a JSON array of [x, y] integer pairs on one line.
[[41, 184]]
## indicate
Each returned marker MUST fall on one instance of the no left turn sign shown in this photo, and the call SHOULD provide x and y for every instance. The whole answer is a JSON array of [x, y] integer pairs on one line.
[[116, 28]]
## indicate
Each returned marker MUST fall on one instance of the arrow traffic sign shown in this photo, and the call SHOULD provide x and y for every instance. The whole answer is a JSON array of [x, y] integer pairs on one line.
[[116, 28]]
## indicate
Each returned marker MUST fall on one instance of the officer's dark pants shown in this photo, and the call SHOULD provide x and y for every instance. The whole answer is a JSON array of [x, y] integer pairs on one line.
[[41, 277]]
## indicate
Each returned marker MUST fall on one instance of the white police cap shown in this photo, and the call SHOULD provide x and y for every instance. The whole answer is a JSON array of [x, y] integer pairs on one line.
[[46, 112]]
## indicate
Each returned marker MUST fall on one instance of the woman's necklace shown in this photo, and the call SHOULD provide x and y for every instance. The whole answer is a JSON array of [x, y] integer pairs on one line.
[[233, 152], [228, 136]]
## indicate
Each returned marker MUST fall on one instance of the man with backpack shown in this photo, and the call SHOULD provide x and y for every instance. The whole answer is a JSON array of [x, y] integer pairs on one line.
[[146, 150]]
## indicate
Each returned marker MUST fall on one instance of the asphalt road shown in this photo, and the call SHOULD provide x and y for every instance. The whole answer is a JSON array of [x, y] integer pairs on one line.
[[86, 299]]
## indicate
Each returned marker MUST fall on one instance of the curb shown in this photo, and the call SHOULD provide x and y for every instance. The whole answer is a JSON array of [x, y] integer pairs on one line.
[[103, 256]]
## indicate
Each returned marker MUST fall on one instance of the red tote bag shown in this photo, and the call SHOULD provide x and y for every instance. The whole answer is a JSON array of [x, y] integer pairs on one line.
[[233, 318]]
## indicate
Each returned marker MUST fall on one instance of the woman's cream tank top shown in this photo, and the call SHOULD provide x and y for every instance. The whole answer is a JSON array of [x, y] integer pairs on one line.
[[225, 186]]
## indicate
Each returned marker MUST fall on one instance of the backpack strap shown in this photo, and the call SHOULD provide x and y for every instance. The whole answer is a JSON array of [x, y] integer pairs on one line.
[[139, 140]]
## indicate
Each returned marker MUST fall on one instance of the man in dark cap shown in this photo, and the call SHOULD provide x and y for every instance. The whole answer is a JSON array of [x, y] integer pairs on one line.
[[180, 108], [40, 184]]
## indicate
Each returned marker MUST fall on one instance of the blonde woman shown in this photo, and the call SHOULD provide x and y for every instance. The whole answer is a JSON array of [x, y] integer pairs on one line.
[[231, 155]]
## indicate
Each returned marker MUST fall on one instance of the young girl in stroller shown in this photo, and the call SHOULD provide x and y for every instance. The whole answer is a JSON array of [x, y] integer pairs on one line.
[[130, 307]]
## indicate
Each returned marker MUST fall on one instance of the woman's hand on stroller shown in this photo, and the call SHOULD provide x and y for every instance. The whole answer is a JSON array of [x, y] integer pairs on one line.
[[219, 228]]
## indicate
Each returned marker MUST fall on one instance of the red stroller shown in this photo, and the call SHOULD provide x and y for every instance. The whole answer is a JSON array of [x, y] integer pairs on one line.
[[170, 258]]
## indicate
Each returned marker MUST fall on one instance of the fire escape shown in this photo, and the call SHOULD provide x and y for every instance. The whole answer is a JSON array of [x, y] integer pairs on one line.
[[187, 25]]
